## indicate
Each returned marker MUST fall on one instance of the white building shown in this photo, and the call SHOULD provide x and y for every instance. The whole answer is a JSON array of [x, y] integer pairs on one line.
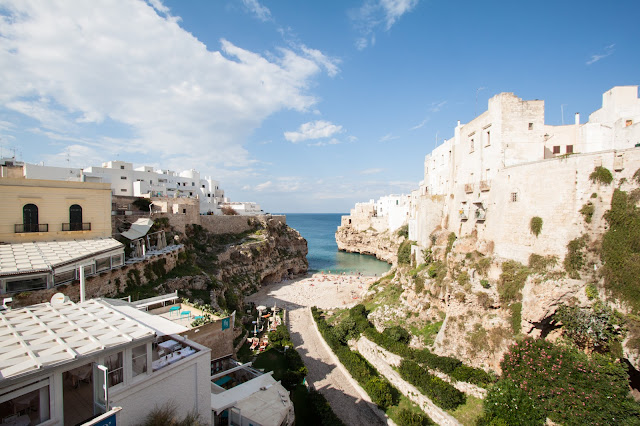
[[62, 363], [506, 166], [146, 181]]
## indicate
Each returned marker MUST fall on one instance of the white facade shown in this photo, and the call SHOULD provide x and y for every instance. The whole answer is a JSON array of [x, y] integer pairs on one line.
[[506, 166], [50, 355], [146, 181]]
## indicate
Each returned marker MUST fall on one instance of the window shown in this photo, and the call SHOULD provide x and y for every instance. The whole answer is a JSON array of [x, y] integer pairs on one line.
[[150, 182], [488, 138], [139, 360], [117, 260], [63, 277], [26, 284], [471, 148], [103, 264], [114, 363], [556, 149], [121, 167], [193, 184], [514, 197], [569, 149], [209, 195], [628, 123], [75, 218], [530, 126], [123, 177], [184, 211], [203, 186], [30, 218], [30, 403], [190, 194], [123, 190]]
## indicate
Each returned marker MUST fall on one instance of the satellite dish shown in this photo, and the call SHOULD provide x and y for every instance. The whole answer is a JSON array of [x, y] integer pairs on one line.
[[59, 299]]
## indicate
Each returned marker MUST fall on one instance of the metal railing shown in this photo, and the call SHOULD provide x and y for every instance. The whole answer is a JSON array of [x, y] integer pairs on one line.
[[31, 227], [468, 188], [76, 226], [485, 185]]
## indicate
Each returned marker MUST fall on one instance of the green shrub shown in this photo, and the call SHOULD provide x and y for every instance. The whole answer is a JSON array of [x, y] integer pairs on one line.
[[411, 418], [440, 392], [404, 252], [397, 334], [636, 176], [403, 231], [514, 274], [142, 204], [463, 278], [516, 317], [587, 211], [597, 328], [419, 284], [621, 250], [381, 392], [535, 225], [574, 261], [594, 195], [601, 175], [450, 240], [485, 283], [507, 404], [568, 386], [540, 264], [482, 265], [591, 291]]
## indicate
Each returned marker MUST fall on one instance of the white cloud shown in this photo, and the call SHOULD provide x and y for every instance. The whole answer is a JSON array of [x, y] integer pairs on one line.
[[330, 64], [608, 50], [437, 106], [418, 126], [378, 13], [318, 129], [388, 137], [263, 186], [80, 68], [261, 12]]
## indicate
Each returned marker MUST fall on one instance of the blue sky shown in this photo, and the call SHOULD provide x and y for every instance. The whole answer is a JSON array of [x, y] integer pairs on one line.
[[302, 106]]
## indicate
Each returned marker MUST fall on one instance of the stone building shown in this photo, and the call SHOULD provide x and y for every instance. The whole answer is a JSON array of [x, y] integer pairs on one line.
[[506, 166]]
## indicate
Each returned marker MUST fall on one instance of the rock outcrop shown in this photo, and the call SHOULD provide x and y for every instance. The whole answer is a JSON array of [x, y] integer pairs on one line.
[[383, 245]]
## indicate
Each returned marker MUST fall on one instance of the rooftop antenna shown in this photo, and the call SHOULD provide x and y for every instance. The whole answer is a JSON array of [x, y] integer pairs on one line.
[[477, 91], [562, 112]]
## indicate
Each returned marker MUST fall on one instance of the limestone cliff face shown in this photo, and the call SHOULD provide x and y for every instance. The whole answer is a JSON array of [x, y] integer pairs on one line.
[[381, 244]]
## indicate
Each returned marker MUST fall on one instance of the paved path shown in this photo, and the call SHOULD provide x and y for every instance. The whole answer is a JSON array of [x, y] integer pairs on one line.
[[324, 291], [325, 376]]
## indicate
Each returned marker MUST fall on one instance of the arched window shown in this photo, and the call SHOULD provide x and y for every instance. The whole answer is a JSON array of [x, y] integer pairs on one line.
[[75, 218], [30, 218]]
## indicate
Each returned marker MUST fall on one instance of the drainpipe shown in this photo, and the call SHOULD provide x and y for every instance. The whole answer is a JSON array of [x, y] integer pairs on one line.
[[82, 288]]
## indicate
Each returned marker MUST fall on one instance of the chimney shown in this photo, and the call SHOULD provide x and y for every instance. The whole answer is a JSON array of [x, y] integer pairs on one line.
[[577, 118]]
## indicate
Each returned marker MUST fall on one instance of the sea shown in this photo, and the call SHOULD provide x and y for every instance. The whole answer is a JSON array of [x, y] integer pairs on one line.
[[319, 230]]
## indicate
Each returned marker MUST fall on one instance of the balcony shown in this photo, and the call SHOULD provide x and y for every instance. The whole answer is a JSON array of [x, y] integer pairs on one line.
[[468, 188], [485, 185], [76, 226], [31, 227]]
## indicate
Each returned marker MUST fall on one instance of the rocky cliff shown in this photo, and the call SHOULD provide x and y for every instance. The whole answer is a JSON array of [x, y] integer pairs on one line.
[[464, 300], [381, 244]]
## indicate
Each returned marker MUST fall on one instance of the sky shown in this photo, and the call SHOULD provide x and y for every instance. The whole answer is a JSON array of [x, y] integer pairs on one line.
[[301, 106]]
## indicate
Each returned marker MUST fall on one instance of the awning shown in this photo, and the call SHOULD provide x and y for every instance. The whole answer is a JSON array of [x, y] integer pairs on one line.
[[138, 229]]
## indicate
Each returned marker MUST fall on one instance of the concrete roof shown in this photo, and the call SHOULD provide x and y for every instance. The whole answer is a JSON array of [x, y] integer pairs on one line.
[[262, 399], [46, 335], [32, 257]]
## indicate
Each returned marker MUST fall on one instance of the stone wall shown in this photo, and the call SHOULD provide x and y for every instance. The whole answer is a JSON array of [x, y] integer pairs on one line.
[[105, 284], [234, 224]]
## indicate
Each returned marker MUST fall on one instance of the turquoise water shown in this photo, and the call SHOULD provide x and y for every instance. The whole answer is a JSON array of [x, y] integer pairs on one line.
[[319, 231]]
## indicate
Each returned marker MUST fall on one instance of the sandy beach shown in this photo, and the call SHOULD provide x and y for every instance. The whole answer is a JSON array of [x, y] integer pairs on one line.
[[321, 290]]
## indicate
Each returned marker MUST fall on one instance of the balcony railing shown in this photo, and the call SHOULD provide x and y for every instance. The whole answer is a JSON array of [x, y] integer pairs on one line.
[[485, 185], [31, 227], [76, 226], [468, 188]]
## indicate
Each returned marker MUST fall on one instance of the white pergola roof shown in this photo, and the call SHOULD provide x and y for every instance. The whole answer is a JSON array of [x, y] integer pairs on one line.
[[42, 256], [44, 335]]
